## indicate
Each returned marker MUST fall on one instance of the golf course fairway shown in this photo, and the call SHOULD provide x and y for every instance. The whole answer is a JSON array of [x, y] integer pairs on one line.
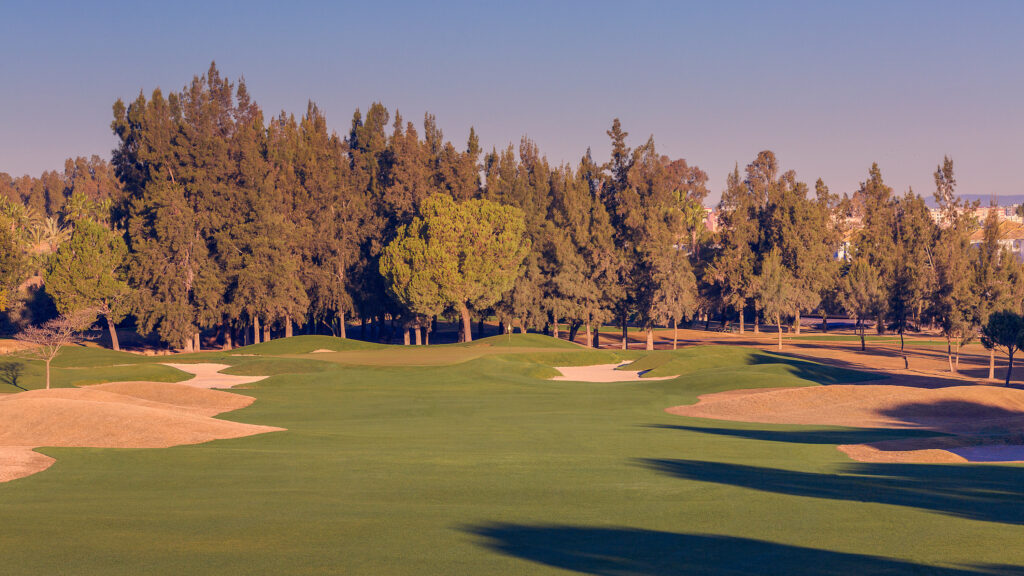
[[468, 459]]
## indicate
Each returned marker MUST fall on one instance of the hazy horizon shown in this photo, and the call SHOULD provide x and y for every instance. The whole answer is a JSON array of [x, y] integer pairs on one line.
[[830, 88]]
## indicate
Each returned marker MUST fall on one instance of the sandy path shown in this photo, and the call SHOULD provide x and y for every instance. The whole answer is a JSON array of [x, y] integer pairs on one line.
[[604, 373], [120, 415], [986, 423]]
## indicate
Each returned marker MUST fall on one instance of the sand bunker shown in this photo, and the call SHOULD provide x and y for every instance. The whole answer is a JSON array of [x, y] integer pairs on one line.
[[209, 376], [983, 423], [119, 415], [604, 373]]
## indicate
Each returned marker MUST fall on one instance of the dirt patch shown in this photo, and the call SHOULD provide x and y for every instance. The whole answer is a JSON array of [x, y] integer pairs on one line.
[[984, 423], [119, 415], [604, 373]]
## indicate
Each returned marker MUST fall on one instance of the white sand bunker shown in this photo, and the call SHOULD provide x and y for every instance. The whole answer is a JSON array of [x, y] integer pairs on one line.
[[119, 415], [983, 423], [604, 373], [208, 376]]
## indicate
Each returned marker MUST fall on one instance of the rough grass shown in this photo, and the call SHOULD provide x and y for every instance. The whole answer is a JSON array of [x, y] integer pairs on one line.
[[479, 467]]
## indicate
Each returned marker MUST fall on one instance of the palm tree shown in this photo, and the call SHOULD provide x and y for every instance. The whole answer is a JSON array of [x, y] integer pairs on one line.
[[53, 234]]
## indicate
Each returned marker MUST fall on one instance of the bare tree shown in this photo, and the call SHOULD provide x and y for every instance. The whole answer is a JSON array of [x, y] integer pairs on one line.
[[49, 338]]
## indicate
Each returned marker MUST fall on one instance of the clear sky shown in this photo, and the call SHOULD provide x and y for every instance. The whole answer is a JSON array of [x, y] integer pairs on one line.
[[829, 86]]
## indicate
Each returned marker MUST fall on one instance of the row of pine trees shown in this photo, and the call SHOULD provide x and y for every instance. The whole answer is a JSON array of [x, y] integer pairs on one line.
[[226, 223]]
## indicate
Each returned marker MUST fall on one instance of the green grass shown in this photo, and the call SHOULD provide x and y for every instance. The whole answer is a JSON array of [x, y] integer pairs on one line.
[[81, 366], [725, 360], [307, 344], [474, 465]]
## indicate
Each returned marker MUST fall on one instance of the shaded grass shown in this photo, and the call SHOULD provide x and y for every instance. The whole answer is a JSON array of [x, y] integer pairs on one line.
[[761, 366], [479, 467]]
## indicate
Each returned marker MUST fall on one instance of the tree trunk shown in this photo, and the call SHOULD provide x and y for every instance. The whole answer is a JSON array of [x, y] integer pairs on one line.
[[574, 329], [467, 324], [255, 329], [266, 332], [797, 323], [949, 355], [49, 359], [228, 343], [197, 343], [742, 327], [426, 335], [480, 327], [675, 333], [554, 327], [625, 336], [288, 326], [590, 337], [778, 324], [757, 323], [992, 364], [824, 321], [406, 337], [957, 360], [707, 322], [341, 321], [650, 338], [1009, 369], [862, 329], [419, 334], [522, 326], [597, 336], [114, 344]]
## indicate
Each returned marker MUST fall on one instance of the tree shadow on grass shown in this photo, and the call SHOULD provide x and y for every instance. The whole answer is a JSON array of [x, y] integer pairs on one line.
[[634, 552], [862, 363], [810, 436], [11, 372], [814, 371], [977, 492]]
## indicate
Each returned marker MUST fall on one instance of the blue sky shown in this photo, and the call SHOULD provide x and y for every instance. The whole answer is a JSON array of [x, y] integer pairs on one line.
[[829, 86]]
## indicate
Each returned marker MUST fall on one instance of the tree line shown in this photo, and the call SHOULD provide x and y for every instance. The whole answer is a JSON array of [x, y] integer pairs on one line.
[[224, 222]]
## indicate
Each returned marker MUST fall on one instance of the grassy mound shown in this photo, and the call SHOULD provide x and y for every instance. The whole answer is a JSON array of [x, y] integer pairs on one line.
[[523, 341], [305, 345], [88, 356]]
